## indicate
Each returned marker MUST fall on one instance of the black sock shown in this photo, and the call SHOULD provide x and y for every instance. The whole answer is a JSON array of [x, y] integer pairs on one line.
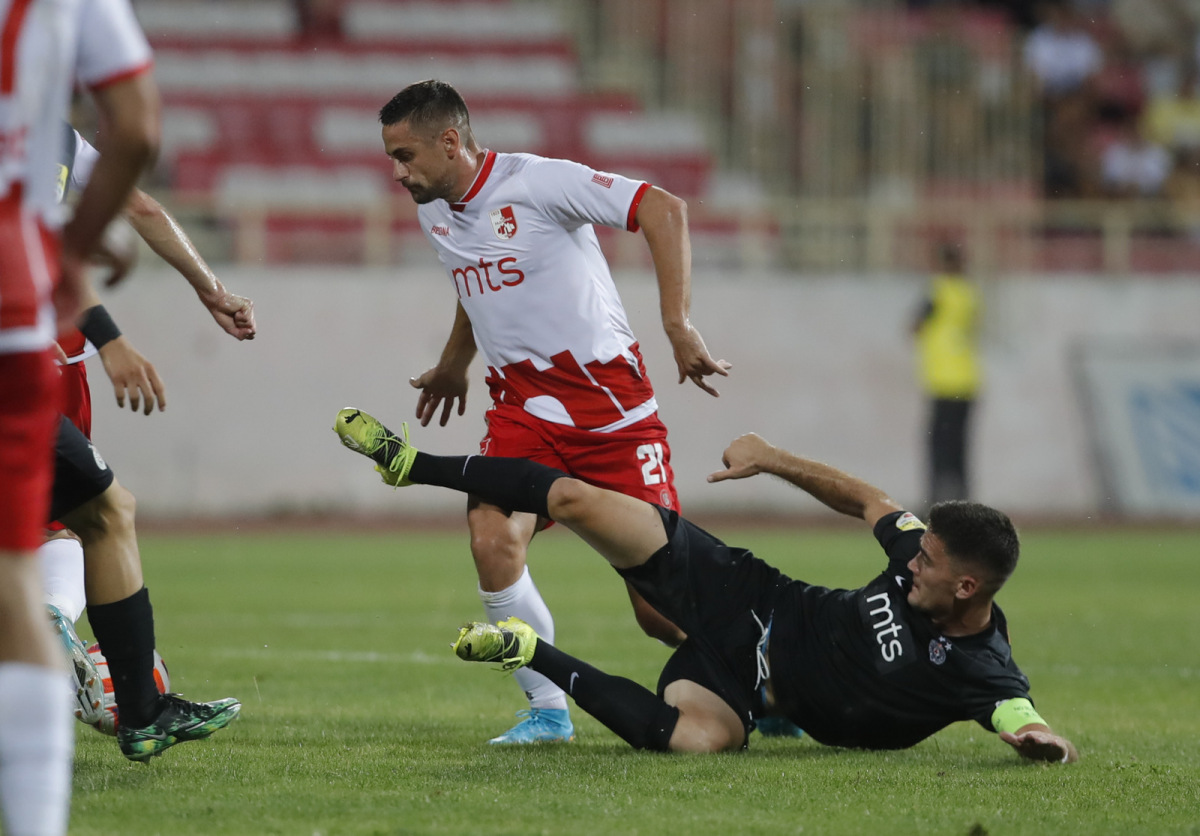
[[125, 632], [516, 484], [636, 714]]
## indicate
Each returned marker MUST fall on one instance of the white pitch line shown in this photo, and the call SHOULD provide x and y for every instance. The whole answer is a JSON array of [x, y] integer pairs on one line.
[[367, 657]]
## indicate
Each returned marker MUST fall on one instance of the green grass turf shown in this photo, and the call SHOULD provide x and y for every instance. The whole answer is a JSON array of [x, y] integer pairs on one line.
[[358, 719]]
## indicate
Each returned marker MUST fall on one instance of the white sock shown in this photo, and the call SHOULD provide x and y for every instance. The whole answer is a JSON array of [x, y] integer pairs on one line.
[[523, 600], [62, 574], [37, 743]]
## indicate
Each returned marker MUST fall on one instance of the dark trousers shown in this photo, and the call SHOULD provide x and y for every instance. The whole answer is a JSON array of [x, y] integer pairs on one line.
[[948, 424]]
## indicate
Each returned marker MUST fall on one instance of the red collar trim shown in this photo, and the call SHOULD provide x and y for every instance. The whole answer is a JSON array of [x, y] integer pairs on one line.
[[484, 170]]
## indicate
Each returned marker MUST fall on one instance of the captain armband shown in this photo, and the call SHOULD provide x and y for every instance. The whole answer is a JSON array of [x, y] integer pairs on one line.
[[1014, 714], [98, 326]]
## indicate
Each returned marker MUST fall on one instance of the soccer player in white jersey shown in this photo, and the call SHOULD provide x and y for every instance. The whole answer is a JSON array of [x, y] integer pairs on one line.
[[132, 376], [47, 46], [568, 385]]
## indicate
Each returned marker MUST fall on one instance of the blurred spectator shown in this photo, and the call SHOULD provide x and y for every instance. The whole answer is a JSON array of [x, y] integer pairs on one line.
[[946, 330], [1173, 120], [1183, 184], [1061, 52], [1132, 166], [1065, 59], [1160, 32], [1120, 85]]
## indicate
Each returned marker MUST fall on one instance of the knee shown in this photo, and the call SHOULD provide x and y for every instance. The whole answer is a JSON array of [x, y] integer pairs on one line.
[[111, 512], [704, 736], [568, 500], [493, 545]]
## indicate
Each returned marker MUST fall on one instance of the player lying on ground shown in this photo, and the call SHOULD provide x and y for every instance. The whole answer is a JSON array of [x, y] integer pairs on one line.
[[881, 667]]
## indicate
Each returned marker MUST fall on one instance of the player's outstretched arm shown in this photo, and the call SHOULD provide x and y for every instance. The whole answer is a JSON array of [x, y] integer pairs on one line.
[[663, 219], [446, 382], [164, 235], [751, 454]]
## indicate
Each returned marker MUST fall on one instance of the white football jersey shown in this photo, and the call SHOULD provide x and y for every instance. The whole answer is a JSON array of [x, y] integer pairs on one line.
[[46, 46], [57, 42], [524, 261]]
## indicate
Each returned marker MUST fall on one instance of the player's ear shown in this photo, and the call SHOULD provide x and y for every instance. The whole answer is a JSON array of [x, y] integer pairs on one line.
[[451, 141], [968, 585]]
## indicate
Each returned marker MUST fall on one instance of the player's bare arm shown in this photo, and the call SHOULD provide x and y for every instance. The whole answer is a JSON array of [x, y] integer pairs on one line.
[[129, 119], [164, 235], [129, 137], [751, 454], [663, 219], [133, 377], [446, 383]]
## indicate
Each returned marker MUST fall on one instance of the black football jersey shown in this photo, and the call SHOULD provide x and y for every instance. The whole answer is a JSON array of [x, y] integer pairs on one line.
[[861, 668]]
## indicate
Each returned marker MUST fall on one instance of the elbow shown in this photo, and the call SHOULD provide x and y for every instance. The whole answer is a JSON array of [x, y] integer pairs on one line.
[[677, 209], [662, 210]]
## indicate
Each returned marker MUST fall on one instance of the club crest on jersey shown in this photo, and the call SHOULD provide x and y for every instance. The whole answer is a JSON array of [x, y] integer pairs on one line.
[[937, 650], [504, 222], [908, 522]]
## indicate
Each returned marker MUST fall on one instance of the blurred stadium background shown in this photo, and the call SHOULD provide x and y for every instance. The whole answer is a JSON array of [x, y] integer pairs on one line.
[[825, 147]]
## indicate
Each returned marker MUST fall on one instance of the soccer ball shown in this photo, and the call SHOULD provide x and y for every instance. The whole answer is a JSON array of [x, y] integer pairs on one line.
[[107, 724]]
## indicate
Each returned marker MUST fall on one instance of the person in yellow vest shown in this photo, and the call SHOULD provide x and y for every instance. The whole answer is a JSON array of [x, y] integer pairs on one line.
[[946, 331]]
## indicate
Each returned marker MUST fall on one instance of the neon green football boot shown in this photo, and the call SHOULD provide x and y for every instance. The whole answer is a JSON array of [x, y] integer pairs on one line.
[[511, 643], [178, 721], [393, 455]]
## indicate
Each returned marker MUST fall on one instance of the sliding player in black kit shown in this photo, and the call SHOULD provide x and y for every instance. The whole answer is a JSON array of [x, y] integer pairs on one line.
[[881, 667]]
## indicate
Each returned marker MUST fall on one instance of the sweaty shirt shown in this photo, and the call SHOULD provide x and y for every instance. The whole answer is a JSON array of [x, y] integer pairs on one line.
[[522, 255], [861, 668], [77, 159]]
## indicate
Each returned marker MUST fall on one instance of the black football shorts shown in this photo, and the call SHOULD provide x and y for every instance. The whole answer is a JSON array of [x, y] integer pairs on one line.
[[80, 473], [722, 597]]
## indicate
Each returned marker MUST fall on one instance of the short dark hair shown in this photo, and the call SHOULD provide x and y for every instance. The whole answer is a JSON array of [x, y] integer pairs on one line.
[[979, 536], [428, 105]]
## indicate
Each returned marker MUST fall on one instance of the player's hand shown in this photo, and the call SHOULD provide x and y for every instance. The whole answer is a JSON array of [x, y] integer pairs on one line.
[[693, 360], [235, 314], [744, 457], [439, 388], [133, 376], [60, 356], [1041, 746]]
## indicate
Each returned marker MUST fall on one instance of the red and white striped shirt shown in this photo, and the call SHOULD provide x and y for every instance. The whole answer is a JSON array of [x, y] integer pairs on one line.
[[45, 46], [524, 261]]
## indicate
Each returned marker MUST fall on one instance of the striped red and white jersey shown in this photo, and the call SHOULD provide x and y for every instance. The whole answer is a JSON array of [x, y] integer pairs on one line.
[[522, 255], [45, 47]]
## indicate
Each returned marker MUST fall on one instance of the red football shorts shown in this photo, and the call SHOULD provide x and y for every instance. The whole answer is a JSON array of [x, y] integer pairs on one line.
[[29, 400], [635, 461]]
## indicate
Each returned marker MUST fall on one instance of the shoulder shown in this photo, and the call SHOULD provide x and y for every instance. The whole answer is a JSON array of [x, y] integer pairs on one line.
[[539, 170]]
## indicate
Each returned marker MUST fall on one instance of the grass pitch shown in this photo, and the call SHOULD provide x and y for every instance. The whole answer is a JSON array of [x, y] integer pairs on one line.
[[358, 718]]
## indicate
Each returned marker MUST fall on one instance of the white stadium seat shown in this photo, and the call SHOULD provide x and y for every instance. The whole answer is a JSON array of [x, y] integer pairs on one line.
[[466, 22], [377, 74], [230, 19]]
